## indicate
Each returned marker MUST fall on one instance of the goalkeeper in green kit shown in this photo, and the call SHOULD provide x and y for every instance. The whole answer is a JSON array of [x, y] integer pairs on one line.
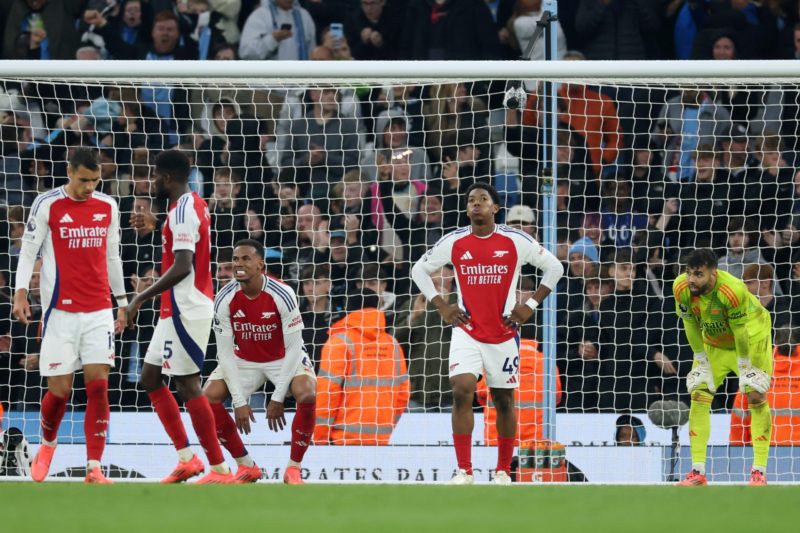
[[729, 331]]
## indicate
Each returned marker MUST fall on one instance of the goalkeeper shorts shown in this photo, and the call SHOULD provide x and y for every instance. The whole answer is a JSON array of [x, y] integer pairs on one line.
[[723, 362]]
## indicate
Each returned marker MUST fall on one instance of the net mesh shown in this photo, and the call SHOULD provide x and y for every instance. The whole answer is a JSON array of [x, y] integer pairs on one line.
[[348, 183]]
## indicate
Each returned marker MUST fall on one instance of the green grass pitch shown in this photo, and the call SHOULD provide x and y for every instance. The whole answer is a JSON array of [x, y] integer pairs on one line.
[[149, 508]]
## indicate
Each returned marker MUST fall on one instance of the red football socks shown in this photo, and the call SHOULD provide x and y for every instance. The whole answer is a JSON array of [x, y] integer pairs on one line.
[[463, 445], [52, 411], [95, 422], [302, 429], [226, 431], [170, 415], [204, 427], [505, 451]]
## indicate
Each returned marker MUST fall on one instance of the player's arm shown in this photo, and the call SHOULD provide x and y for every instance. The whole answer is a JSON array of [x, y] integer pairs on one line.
[[223, 332], [537, 255], [294, 351], [36, 230], [433, 260], [116, 279], [737, 299], [701, 372], [184, 237]]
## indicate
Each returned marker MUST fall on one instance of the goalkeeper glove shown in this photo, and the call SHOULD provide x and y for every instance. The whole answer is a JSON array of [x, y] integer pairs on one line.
[[700, 374], [750, 376]]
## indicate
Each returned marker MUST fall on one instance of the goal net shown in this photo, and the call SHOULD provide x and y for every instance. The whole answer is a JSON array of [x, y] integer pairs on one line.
[[348, 180]]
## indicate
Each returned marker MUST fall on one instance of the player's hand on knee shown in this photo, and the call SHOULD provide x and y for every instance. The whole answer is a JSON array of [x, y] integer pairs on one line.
[[275, 419], [243, 417], [700, 375], [750, 376]]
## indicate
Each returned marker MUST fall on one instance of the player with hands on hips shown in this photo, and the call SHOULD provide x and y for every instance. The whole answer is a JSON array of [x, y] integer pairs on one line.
[[487, 259]]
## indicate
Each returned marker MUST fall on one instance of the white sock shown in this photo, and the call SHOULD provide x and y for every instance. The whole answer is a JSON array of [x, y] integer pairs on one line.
[[762, 469], [294, 463], [221, 468], [700, 467], [185, 455], [245, 460], [92, 464], [50, 443]]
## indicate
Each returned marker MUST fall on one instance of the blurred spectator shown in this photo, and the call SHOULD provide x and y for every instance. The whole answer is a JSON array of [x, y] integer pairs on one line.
[[167, 42], [522, 25], [742, 247], [581, 368], [141, 245], [374, 32], [278, 29], [523, 218], [687, 120], [227, 209], [40, 29], [616, 29], [450, 30], [760, 281], [228, 10], [373, 278], [224, 272], [323, 144], [630, 431], [317, 306], [625, 339], [391, 132], [770, 188], [131, 22], [362, 388], [622, 224], [453, 113], [781, 249], [345, 262], [426, 339]]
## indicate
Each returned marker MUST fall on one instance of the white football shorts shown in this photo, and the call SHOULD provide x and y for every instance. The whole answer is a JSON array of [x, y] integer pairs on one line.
[[253, 376], [179, 346], [498, 362], [72, 340]]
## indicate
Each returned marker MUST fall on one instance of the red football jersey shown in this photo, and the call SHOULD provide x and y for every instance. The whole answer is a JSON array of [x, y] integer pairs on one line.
[[487, 270], [75, 239], [188, 227], [257, 325]]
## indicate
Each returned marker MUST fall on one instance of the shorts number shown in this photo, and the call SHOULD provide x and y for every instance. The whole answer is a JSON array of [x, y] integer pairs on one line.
[[110, 340], [167, 349], [511, 366]]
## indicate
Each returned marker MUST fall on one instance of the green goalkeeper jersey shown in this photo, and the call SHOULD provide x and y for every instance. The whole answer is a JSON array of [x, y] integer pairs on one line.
[[727, 318]]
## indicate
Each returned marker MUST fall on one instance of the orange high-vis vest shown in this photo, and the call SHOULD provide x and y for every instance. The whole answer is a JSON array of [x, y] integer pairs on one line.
[[362, 385], [784, 401], [528, 399]]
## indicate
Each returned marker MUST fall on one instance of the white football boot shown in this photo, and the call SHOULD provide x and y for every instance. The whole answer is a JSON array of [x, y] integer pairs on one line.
[[462, 478], [501, 478]]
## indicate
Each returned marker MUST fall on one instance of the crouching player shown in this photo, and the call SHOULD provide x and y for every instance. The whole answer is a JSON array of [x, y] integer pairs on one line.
[[729, 331], [259, 334]]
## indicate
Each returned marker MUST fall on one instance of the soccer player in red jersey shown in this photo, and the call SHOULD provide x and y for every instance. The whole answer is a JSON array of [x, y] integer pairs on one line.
[[180, 339], [76, 230], [259, 334], [487, 258]]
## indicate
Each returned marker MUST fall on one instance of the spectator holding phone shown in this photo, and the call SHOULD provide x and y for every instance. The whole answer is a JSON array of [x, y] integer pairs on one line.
[[278, 29]]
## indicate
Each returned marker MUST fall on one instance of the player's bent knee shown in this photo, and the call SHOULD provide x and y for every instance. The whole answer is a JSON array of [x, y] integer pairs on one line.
[[188, 387], [216, 391], [702, 396], [60, 386], [151, 378]]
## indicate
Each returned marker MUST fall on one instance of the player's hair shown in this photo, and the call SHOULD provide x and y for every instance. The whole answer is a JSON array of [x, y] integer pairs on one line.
[[84, 157], [486, 187], [702, 258], [259, 247], [175, 164], [758, 271]]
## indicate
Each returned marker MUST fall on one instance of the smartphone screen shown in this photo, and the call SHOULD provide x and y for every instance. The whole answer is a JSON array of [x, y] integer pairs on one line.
[[286, 26], [337, 30]]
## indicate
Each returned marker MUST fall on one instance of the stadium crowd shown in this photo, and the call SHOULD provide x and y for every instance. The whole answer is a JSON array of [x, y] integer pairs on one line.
[[347, 188]]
